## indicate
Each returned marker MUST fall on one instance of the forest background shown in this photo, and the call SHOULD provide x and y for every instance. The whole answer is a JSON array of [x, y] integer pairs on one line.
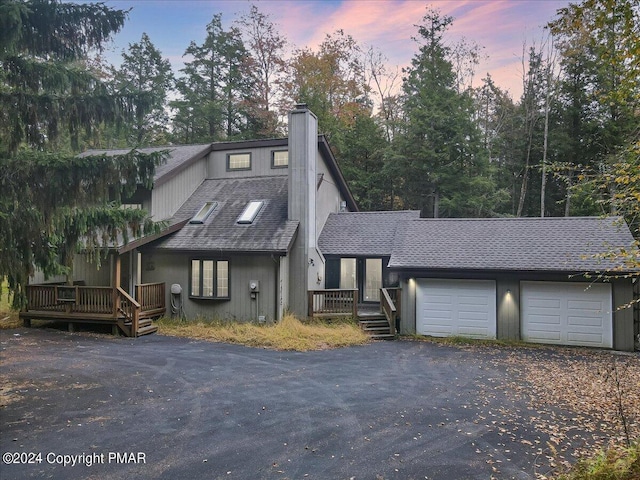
[[429, 136]]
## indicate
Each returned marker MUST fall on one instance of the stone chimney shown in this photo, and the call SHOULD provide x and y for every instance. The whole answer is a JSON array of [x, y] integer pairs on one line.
[[303, 258]]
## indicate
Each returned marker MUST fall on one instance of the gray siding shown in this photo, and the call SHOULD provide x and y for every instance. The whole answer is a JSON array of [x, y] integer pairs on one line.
[[623, 315], [260, 164], [82, 271], [169, 196], [408, 307], [508, 308], [328, 196], [174, 268], [305, 265]]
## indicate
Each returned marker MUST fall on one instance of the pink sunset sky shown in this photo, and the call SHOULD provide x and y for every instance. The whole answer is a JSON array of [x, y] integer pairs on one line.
[[500, 26]]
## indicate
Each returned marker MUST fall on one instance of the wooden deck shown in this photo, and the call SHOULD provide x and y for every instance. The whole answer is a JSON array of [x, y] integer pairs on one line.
[[102, 305], [378, 320]]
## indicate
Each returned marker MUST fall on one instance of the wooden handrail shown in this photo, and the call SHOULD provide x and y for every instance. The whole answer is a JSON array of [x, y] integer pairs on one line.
[[388, 307], [129, 308]]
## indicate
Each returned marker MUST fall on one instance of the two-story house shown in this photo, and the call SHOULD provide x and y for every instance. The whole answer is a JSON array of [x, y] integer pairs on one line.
[[258, 228]]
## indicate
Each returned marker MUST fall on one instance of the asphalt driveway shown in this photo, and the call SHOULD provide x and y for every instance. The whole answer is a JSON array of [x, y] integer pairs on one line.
[[171, 408]]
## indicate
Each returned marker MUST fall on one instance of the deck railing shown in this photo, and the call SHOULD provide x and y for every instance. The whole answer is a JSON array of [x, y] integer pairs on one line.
[[150, 296], [70, 299], [333, 303], [93, 300]]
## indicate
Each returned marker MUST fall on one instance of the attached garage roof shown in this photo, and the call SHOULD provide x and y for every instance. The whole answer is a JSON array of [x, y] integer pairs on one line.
[[571, 244], [362, 233]]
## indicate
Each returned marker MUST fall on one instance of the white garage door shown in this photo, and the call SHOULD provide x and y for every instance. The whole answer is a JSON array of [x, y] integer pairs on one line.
[[567, 313], [456, 307]]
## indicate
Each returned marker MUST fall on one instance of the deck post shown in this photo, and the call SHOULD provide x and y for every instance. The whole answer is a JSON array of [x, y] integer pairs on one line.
[[355, 304], [118, 269]]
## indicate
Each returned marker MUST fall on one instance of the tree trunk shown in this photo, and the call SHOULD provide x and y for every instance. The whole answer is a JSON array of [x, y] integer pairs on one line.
[[567, 202], [544, 152], [525, 179]]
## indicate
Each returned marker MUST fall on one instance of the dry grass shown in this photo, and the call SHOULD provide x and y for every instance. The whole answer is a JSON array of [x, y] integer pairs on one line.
[[612, 464], [8, 317], [288, 334]]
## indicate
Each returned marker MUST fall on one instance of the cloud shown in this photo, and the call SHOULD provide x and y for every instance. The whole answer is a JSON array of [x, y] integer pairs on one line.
[[500, 26]]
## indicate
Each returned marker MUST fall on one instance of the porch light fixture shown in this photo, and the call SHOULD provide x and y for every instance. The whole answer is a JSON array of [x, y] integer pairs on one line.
[[250, 212], [204, 212]]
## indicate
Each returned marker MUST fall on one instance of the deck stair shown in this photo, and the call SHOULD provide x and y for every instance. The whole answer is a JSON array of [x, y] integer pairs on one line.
[[145, 327], [376, 325]]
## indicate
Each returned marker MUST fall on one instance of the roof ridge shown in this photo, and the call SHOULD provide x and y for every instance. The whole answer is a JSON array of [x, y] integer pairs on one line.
[[546, 219], [255, 177], [376, 212]]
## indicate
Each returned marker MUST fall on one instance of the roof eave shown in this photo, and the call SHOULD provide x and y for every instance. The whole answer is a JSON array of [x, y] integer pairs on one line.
[[150, 238]]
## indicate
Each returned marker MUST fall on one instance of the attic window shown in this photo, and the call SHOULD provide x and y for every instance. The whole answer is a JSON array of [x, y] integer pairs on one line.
[[239, 161], [250, 212], [279, 159], [204, 212]]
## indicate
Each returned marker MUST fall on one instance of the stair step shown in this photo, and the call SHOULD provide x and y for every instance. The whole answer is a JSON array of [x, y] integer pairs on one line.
[[143, 322], [374, 322], [146, 330], [368, 318], [381, 336]]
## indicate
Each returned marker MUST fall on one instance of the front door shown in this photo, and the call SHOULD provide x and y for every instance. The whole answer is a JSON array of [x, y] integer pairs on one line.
[[364, 274], [372, 280]]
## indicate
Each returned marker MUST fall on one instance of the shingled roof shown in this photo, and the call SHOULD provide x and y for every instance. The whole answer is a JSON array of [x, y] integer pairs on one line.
[[362, 233], [270, 231], [568, 244], [179, 157]]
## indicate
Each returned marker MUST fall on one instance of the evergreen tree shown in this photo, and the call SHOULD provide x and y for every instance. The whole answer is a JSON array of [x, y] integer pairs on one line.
[[49, 197], [439, 161], [599, 43], [147, 77], [214, 89]]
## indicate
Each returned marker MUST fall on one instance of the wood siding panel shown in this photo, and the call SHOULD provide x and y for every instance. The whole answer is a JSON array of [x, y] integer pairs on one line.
[[623, 318], [260, 164], [408, 307], [508, 298], [328, 196], [174, 268], [168, 197]]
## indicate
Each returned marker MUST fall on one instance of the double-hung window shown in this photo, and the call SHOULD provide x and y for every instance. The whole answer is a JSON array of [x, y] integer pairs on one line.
[[209, 279]]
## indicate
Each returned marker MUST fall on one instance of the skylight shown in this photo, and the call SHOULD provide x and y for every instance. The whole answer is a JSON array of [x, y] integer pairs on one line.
[[250, 212], [204, 212]]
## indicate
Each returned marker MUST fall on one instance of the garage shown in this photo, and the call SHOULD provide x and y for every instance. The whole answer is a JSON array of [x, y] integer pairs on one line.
[[456, 307], [567, 313]]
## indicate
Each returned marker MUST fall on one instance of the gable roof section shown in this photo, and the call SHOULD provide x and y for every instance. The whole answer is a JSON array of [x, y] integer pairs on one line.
[[362, 233], [270, 232], [179, 158], [567, 244]]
